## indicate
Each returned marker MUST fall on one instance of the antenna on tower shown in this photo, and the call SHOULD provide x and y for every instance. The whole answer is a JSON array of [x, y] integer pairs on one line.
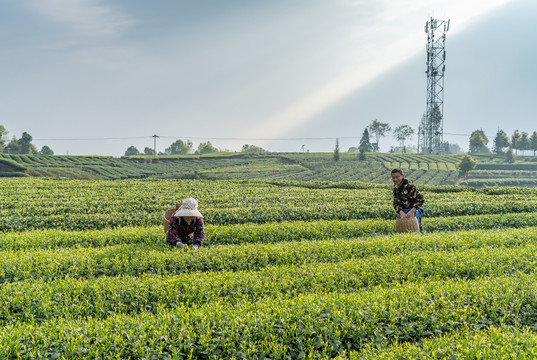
[[431, 129]]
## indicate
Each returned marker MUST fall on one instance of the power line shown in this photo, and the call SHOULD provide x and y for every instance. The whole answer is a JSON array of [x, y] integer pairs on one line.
[[197, 138], [456, 134], [93, 139], [217, 138], [262, 139]]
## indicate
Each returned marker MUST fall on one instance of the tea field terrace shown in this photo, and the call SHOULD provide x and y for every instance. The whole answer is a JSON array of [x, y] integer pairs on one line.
[[421, 168], [290, 269]]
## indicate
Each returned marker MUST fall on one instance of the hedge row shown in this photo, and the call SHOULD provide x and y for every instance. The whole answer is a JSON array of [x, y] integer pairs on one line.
[[255, 233], [306, 326], [141, 259], [503, 342], [25, 301]]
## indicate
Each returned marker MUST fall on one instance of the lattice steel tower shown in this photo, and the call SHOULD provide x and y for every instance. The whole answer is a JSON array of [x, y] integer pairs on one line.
[[431, 129]]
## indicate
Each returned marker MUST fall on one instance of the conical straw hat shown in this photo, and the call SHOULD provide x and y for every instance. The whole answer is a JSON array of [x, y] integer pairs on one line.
[[189, 207]]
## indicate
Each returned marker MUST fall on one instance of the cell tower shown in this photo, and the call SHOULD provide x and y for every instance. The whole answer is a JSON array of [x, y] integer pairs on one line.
[[431, 129]]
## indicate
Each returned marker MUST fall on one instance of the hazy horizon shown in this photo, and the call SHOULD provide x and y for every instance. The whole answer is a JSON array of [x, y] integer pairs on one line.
[[235, 73]]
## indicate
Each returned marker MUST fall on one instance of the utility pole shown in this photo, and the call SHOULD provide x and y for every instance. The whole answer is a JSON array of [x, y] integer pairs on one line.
[[431, 129], [155, 144]]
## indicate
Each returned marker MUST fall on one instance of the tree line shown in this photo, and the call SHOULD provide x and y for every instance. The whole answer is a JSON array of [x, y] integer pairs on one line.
[[502, 143], [23, 145], [180, 147], [378, 130]]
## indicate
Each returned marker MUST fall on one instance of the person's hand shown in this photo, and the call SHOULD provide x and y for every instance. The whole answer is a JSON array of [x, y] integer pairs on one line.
[[180, 245]]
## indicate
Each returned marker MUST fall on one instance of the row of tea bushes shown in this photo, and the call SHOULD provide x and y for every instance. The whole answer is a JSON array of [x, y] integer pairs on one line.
[[503, 342], [134, 291], [255, 233], [315, 325], [42, 204], [136, 259]]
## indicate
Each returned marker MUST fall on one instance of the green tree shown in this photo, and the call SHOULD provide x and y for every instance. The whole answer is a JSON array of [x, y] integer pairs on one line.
[[25, 143], [365, 145], [45, 150], [509, 157], [533, 142], [402, 133], [466, 164], [378, 129], [429, 129], [500, 142], [361, 157], [452, 148], [149, 151], [436, 119], [179, 148], [3, 137], [515, 141], [524, 142], [13, 146], [206, 148], [131, 151], [478, 141], [336, 151], [252, 149]]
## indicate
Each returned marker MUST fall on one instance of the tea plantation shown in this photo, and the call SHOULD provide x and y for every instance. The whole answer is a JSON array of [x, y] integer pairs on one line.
[[421, 168], [290, 270]]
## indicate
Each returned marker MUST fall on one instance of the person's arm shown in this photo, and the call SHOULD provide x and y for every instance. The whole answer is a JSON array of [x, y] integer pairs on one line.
[[397, 205], [172, 235], [417, 197], [199, 233]]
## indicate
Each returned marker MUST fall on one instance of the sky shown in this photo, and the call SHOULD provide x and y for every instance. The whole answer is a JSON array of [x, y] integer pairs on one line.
[[93, 77]]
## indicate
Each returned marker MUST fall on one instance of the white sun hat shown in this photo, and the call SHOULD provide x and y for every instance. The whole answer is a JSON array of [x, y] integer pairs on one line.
[[189, 207]]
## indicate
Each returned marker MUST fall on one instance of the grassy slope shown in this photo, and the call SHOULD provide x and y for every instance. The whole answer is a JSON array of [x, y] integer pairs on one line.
[[420, 168]]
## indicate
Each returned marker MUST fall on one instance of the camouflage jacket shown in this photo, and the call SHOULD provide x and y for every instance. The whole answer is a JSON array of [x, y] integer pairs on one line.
[[406, 196]]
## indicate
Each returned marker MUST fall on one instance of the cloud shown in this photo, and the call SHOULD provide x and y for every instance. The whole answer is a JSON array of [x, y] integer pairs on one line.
[[380, 45], [88, 33], [90, 18]]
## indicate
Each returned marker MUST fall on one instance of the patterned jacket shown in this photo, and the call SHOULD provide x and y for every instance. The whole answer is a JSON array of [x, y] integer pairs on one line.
[[188, 234], [406, 196]]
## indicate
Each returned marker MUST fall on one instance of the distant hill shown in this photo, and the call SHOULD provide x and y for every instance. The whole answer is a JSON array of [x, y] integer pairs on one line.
[[420, 168], [10, 168]]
